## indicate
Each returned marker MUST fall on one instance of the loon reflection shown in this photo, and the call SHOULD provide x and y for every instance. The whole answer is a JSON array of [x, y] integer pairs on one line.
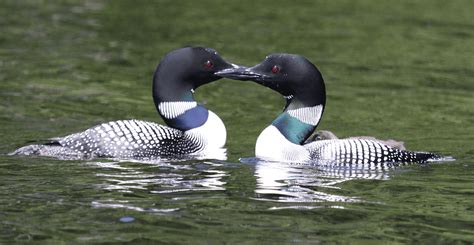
[[310, 182], [156, 177], [171, 177]]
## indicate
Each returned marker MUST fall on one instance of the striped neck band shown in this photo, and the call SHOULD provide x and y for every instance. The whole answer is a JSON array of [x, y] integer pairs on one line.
[[171, 110], [308, 115]]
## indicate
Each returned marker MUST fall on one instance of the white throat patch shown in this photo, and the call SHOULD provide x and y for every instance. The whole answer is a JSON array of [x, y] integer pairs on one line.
[[174, 109], [308, 115]]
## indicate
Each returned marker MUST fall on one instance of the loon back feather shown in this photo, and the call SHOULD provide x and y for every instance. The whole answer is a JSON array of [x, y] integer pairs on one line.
[[364, 151], [328, 135]]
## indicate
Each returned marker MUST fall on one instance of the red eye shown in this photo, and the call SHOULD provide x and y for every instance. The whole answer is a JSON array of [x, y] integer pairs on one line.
[[208, 64], [275, 69]]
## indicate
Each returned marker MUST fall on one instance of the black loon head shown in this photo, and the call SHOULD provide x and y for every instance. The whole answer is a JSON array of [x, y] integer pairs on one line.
[[178, 74], [299, 81], [293, 76], [183, 70]]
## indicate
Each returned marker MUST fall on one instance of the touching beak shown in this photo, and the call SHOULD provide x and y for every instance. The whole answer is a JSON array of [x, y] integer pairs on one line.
[[239, 73]]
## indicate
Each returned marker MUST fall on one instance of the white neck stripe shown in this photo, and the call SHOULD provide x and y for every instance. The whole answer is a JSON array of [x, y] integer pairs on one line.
[[308, 115], [174, 109]]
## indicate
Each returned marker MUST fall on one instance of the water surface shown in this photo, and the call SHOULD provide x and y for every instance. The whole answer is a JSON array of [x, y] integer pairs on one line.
[[399, 71]]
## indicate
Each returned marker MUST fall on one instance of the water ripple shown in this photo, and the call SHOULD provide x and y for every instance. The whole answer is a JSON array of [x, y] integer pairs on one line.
[[117, 204]]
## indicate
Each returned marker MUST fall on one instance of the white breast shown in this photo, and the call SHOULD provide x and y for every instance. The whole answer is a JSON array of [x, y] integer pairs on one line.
[[213, 136], [273, 146]]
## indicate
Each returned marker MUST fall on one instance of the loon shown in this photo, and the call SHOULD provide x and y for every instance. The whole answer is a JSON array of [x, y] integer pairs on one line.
[[192, 129], [302, 85]]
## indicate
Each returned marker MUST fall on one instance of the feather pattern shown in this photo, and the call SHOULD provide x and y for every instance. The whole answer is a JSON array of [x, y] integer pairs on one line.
[[174, 109], [120, 139], [362, 152], [308, 115]]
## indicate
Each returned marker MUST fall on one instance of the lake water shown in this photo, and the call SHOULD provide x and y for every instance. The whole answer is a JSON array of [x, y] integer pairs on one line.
[[403, 72]]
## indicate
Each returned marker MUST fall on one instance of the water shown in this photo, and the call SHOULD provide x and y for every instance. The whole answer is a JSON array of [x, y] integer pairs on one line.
[[405, 70]]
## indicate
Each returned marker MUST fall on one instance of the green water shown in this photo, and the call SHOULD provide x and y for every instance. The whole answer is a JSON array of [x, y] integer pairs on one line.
[[400, 70]]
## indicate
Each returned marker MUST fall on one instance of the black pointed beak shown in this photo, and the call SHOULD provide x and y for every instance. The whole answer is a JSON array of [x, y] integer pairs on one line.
[[240, 73]]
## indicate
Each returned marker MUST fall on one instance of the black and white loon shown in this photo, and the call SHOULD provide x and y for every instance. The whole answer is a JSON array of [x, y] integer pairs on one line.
[[301, 83], [192, 129]]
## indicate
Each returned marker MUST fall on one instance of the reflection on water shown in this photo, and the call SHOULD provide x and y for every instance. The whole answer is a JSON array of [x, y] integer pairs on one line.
[[298, 186], [156, 177], [309, 183]]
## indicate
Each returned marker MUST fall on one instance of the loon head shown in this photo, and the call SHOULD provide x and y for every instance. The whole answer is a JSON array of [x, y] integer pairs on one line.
[[183, 70], [299, 81], [293, 76], [178, 74]]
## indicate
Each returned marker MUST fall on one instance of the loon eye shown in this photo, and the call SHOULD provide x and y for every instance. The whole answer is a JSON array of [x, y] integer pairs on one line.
[[275, 69], [208, 64]]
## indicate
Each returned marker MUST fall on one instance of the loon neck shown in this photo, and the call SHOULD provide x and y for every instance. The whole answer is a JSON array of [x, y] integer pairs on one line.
[[174, 101], [298, 120]]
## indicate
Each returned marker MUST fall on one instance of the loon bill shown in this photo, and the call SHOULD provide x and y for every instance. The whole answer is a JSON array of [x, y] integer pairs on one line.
[[192, 131], [302, 85]]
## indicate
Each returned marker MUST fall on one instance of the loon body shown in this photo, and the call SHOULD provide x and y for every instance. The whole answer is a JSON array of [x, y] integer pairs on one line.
[[302, 85], [192, 129]]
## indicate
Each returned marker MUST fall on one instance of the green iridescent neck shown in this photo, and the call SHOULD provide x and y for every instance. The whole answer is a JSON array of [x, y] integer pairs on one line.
[[293, 129]]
